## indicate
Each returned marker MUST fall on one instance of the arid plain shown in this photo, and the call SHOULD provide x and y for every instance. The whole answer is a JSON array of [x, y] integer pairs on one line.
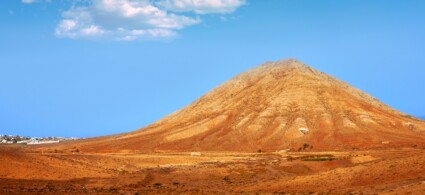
[[383, 171], [282, 127]]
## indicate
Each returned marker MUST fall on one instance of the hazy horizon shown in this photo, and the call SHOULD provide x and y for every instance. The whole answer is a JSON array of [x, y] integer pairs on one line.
[[83, 69]]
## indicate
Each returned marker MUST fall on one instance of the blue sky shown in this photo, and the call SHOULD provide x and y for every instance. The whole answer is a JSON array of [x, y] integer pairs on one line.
[[98, 67]]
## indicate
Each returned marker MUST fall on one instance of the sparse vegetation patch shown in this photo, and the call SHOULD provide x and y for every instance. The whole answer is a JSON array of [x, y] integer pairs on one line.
[[320, 159]]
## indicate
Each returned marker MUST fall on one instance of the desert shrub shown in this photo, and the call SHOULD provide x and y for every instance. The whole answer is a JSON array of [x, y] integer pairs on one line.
[[320, 159], [227, 179], [176, 183], [158, 185], [290, 158]]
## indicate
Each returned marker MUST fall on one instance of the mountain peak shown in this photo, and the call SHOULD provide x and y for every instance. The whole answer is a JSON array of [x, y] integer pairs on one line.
[[292, 62], [280, 69], [289, 65], [274, 106], [285, 63]]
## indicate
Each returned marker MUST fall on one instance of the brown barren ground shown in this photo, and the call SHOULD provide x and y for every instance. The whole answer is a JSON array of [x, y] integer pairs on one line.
[[360, 145], [383, 171]]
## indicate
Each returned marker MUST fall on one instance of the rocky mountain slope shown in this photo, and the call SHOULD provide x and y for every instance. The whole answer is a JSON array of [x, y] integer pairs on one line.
[[275, 106]]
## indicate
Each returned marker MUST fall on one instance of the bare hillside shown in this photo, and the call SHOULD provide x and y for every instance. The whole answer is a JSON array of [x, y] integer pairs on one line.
[[275, 106]]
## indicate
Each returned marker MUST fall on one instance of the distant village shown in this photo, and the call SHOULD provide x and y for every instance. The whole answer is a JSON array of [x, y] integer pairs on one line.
[[16, 139]]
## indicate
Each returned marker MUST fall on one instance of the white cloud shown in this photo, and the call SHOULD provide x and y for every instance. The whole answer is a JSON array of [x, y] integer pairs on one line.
[[202, 6], [129, 20], [140, 34], [67, 25], [119, 20], [137, 13], [92, 30]]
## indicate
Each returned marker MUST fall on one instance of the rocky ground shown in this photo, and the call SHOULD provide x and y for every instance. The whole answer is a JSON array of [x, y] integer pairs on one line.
[[383, 171]]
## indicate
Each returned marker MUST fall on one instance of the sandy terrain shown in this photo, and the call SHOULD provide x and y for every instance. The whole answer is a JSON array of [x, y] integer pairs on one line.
[[389, 171], [340, 141]]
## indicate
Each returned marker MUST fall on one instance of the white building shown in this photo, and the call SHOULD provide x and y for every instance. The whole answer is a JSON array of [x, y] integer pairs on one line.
[[195, 154], [303, 130]]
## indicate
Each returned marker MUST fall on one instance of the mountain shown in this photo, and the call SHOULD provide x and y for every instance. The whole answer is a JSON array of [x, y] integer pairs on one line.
[[275, 106]]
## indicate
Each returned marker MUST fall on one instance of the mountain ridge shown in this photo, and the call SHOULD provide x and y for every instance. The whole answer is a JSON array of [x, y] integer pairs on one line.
[[274, 106]]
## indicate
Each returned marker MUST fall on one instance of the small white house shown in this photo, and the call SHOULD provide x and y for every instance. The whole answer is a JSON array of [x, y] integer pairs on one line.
[[195, 154], [303, 130], [409, 125]]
